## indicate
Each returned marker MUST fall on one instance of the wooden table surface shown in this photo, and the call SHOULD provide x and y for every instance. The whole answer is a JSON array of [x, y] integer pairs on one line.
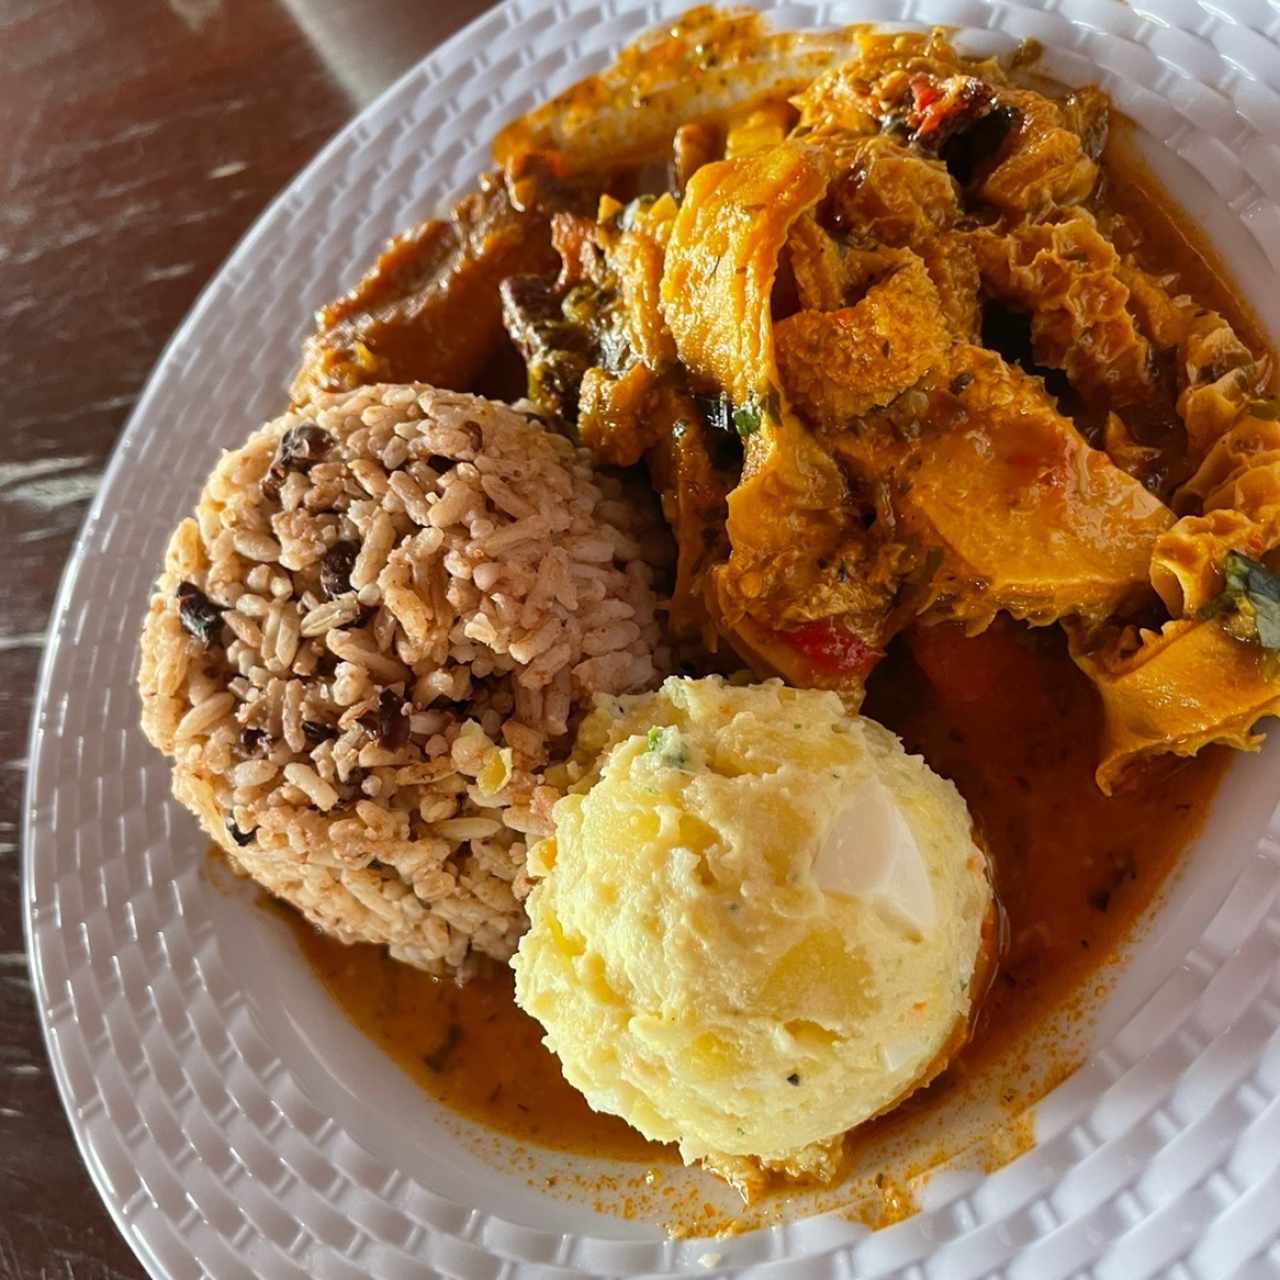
[[138, 141]]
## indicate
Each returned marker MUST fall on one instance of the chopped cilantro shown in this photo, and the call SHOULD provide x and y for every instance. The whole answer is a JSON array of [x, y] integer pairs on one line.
[[1249, 605], [669, 747], [747, 419], [751, 416]]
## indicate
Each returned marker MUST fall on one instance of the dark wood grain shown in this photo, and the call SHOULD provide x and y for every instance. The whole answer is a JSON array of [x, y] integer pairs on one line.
[[138, 141]]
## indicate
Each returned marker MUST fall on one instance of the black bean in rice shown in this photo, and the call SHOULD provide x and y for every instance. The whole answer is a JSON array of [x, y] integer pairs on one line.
[[363, 653]]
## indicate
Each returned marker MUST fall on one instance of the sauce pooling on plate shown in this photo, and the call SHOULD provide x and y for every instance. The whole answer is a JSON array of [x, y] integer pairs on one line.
[[1073, 870], [469, 1047]]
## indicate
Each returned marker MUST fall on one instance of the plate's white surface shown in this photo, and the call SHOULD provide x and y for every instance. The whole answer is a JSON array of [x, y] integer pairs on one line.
[[237, 1127]]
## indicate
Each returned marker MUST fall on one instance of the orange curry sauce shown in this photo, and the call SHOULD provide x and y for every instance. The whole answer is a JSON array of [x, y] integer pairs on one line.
[[1009, 719]]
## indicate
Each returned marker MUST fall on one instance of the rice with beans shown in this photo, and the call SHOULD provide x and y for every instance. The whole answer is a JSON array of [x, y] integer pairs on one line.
[[379, 628]]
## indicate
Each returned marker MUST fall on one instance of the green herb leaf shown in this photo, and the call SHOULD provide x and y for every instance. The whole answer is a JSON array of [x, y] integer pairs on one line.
[[669, 746], [1266, 617], [1250, 599], [747, 419], [750, 417], [1235, 568]]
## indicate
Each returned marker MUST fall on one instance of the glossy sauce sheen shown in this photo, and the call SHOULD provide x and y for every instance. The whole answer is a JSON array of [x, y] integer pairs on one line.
[[1006, 716], [1072, 868], [470, 1047], [1170, 240]]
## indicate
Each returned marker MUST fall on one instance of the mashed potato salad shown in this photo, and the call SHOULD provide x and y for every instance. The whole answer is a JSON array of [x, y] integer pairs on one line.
[[760, 922]]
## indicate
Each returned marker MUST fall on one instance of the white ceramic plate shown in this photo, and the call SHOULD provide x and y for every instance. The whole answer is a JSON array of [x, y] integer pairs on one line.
[[233, 1121]]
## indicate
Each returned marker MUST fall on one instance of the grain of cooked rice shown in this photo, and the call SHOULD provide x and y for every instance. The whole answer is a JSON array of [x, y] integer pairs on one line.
[[203, 715], [307, 780], [370, 745]]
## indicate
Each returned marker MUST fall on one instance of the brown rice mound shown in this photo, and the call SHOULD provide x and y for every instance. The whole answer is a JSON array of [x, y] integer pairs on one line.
[[377, 631]]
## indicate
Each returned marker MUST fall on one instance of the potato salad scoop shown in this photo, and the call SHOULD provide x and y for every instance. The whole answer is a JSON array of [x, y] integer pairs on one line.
[[760, 922]]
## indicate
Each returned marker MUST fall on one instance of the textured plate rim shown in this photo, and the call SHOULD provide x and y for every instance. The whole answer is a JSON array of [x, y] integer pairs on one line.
[[95, 513], [70, 576]]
